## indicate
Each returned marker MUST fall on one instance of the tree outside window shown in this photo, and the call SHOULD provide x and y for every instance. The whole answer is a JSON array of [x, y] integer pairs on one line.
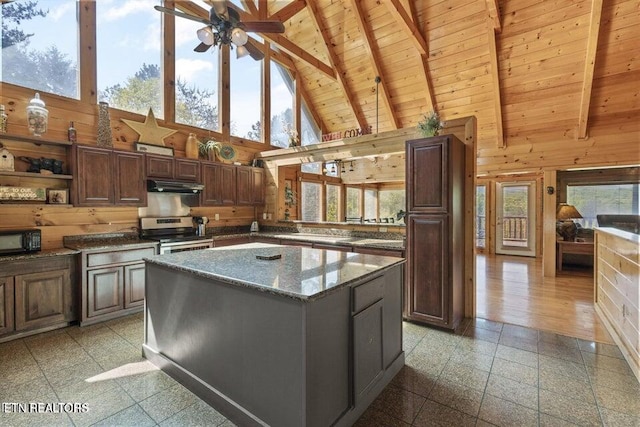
[[353, 195], [311, 204], [391, 202], [333, 203], [282, 89]]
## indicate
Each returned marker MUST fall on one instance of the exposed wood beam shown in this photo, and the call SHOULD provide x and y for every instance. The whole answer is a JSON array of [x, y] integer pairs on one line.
[[495, 76], [225, 95], [298, 52], [494, 14], [589, 66], [374, 56], [192, 8], [169, 63], [314, 11], [89, 80], [266, 95], [424, 60], [263, 9], [250, 6], [289, 11], [401, 15]]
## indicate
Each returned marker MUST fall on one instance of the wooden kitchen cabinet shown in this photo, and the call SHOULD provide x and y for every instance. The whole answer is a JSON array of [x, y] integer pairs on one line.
[[219, 184], [258, 186], [105, 177], [435, 231], [367, 349], [37, 294], [166, 167], [112, 282], [250, 185], [217, 243]]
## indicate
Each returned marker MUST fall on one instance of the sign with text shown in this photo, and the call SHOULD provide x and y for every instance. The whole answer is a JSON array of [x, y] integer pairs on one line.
[[349, 133], [23, 193]]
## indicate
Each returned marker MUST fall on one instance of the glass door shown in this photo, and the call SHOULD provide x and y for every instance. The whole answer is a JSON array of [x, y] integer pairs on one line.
[[516, 218], [481, 216]]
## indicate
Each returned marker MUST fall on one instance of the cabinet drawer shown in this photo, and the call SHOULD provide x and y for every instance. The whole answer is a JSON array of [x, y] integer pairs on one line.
[[118, 257], [367, 293]]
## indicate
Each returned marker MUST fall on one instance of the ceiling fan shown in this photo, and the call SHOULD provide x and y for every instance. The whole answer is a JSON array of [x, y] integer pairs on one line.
[[225, 27]]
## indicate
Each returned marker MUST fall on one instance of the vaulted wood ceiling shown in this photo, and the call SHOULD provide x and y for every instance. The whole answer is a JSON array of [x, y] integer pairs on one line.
[[533, 73]]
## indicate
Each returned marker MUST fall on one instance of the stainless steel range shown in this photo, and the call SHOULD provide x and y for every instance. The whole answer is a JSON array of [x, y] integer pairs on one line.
[[175, 234]]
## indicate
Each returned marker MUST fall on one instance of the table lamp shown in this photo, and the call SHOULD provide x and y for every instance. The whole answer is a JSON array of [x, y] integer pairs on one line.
[[565, 226]]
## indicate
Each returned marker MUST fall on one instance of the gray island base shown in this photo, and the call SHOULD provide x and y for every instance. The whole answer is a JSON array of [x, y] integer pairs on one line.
[[309, 339]]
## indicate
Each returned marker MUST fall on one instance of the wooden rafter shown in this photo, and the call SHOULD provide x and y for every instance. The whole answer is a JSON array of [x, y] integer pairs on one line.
[[250, 7], [424, 61], [298, 52], [192, 8], [336, 64], [589, 66], [266, 96], [401, 15], [494, 14], [495, 76], [374, 56], [89, 80], [263, 9], [289, 11], [169, 62]]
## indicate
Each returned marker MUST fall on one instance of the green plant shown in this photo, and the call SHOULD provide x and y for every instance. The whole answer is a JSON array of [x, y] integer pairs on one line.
[[205, 148], [289, 197], [430, 124]]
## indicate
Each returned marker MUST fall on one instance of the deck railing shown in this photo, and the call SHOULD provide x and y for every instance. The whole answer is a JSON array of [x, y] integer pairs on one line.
[[515, 228]]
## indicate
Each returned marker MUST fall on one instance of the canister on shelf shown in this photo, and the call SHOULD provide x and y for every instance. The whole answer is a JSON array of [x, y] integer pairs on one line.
[[3, 120], [37, 116]]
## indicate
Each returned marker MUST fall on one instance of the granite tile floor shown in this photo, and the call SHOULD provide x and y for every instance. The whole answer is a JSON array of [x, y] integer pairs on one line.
[[489, 374]]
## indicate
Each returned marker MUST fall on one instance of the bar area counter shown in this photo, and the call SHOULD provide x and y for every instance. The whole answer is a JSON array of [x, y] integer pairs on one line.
[[277, 335]]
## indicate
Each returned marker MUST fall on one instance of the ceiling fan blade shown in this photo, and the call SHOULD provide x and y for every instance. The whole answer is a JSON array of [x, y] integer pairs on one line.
[[263, 26], [220, 7], [182, 14], [202, 47], [254, 51]]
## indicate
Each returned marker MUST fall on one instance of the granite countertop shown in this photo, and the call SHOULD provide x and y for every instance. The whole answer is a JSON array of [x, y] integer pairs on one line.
[[391, 244], [106, 241], [40, 254], [304, 274]]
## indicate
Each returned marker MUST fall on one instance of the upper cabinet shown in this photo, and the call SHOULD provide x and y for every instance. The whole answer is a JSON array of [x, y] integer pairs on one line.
[[250, 185], [104, 177], [219, 184], [166, 167]]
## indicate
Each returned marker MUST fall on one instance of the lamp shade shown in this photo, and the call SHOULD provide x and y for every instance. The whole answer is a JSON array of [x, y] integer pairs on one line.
[[205, 35], [239, 37], [566, 211]]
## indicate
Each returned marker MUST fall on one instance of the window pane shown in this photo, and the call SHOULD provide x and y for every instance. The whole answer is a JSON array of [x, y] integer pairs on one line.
[[353, 203], [40, 46], [197, 79], [312, 167], [481, 220], [310, 130], [311, 201], [333, 202], [246, 96], [391, 202], [370, 205], [282, 126], [591, 200], [134, 84]]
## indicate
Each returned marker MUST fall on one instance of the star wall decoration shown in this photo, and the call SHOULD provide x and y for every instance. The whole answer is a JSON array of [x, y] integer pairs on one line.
[[149, 131]]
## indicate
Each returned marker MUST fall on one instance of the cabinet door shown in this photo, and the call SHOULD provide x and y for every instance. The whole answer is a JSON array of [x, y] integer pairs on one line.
[[427, 264], [92, 177], [427, 183], [258, 186], [133, 285], [244, 185], [227, 184], [6, 305], [187, 170], [159, 166], [42, 298], [367, 349], [104, 291], [210, 196], [129, 184]]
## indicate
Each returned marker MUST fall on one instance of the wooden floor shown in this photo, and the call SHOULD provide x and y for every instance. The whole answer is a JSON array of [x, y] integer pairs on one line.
[[511, 289]]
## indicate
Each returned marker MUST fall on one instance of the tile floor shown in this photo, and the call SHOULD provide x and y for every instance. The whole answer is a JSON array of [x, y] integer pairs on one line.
[[491, 374]]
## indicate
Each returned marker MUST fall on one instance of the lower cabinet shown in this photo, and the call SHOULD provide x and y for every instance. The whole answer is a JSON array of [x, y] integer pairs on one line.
[[112, 283], [37, 294], [367, 349], [231, 241]]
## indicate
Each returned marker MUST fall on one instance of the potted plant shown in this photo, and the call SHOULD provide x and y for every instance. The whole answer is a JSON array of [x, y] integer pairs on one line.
[[289, 201], [209, 149], [430, 124]]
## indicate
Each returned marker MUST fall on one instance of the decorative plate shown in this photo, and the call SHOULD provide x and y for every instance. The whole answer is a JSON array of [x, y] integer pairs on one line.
[[227, 152]]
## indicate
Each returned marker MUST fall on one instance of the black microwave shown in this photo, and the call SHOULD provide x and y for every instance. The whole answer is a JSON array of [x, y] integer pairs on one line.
[[20, 241]]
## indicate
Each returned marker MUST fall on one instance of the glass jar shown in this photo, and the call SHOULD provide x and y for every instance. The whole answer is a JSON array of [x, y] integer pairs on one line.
[[37, 116], [3, 120]]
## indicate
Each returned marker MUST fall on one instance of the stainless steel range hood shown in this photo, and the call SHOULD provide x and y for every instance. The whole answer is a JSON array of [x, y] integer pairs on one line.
[[157, 185]]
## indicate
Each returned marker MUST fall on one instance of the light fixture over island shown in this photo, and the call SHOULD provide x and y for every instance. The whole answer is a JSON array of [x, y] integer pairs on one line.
[[277, 335]]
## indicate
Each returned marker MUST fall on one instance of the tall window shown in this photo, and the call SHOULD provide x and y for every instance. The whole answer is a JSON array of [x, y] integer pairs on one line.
[[353, 203], [591, 200], [281, 105], [333, 203], [40, 46], [133, 84], [246, 97], [311, 204], [197, 79], [481, 215], [390, 203], [370, 205]]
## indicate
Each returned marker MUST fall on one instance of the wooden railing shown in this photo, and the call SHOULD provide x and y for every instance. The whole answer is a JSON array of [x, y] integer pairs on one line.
[[515, 228]]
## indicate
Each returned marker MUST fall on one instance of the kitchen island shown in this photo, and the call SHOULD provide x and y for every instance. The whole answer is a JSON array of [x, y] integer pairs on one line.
[[307, 339]]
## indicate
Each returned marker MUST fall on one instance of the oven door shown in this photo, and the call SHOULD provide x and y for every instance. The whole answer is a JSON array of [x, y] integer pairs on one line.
[[194, 245]]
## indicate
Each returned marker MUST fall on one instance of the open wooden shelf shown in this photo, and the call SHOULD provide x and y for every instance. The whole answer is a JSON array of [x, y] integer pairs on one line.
[[32, 139], [35, 175]]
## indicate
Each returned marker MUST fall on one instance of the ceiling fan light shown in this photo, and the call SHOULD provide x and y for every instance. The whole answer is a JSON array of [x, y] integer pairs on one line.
[[241, 52], [239, 37], [205, 35]]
